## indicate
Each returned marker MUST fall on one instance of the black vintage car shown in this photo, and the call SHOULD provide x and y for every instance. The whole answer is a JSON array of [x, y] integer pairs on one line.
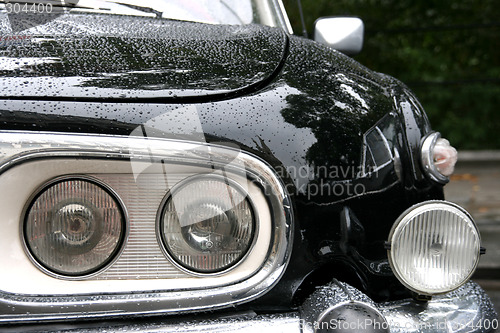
[[192, 166]]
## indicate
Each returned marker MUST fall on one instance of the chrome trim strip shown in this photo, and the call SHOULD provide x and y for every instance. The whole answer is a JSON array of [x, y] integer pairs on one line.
[[427, 158], [468, 309], [284, 17], [17, 147], [238, 322]]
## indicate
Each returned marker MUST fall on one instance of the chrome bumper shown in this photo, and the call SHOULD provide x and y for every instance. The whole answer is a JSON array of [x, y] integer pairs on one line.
[[468, 309], [340, 306], [336, 306]]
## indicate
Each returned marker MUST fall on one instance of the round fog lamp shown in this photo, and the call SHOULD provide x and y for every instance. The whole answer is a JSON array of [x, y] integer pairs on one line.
[[434, 247], [207, 224], [74, 227]]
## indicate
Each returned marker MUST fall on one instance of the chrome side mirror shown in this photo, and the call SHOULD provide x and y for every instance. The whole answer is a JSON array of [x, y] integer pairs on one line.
[[344, 34]]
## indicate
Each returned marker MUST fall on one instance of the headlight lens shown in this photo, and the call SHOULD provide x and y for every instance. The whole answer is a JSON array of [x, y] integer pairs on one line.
[[74, 227], [435, 247], [207, 224]]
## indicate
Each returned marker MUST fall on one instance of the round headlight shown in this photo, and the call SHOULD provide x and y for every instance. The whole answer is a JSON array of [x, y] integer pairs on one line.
[[74, 227], [435, 247], [207, 224]]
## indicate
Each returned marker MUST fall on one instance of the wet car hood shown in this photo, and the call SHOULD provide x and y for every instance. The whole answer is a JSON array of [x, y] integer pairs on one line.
[[106, 56]]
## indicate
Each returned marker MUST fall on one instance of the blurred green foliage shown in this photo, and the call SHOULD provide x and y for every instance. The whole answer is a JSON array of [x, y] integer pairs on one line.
[[447, 52]]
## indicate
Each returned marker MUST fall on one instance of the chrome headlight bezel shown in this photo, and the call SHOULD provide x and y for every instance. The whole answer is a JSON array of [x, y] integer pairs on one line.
[[22, 150]]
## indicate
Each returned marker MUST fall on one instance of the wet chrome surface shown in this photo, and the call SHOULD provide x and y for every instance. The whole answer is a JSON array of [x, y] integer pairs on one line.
[[466, 310], [342, 307]]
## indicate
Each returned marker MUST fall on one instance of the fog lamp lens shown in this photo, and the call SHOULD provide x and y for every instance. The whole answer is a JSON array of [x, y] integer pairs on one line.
[[207, 224], [435, 247], [74, 227]]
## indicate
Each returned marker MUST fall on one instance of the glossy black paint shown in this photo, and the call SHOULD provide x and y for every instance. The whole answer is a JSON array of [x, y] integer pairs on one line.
[[93, 57], [302, 107]]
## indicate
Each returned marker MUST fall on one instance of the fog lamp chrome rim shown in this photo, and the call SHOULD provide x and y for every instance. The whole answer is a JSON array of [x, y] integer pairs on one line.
[[432, 242], [198, 235], [77, 226]]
